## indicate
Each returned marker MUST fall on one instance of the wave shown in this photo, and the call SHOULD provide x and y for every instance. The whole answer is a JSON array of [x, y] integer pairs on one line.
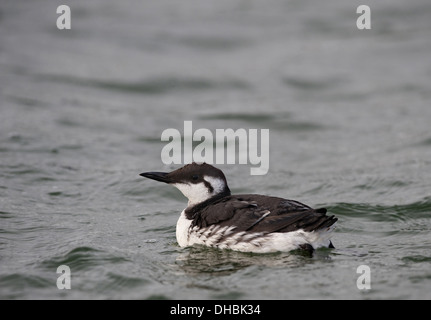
[[154, 86]]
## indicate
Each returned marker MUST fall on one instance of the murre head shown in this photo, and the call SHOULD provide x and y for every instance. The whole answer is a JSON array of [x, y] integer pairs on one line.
[[198, 182]]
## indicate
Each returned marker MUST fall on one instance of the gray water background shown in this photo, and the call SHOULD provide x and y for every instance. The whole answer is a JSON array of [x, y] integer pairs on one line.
[[82, 112]]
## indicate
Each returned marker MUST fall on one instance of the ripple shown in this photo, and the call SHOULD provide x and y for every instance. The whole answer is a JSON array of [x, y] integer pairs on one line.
[[310, 84], [115, 282], [157, 297], [246, 117], [425, 142], [150, 139], [23, 280], [12, 286], [363, 210], [82, 258], [416, 210], [213, 42], [25, 101], [276, 121], [5, 215], [416, 259], [378, 183], [402, 227], [151, 86]]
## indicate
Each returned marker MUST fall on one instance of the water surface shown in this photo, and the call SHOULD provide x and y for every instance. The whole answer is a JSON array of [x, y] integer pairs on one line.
[[82, 112]]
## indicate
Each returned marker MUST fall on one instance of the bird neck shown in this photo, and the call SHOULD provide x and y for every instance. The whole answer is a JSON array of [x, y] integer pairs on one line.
[[193, 210]]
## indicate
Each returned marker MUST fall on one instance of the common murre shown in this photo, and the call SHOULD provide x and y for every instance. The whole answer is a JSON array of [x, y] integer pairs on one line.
[[246, 222]]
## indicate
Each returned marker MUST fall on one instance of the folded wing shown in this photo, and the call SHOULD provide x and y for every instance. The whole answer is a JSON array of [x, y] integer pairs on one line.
[[257, 213]]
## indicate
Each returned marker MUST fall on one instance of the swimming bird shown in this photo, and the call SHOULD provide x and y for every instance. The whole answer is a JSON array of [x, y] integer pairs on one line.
[[245, 222]]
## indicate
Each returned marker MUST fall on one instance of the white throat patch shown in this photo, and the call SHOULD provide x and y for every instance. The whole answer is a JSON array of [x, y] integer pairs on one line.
[[197, 193]]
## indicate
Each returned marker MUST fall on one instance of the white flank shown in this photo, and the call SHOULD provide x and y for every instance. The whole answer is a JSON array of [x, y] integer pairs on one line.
[[248, 242], [183, 226]]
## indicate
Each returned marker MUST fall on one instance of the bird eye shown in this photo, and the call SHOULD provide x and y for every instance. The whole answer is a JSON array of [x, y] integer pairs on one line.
[[195, 177]]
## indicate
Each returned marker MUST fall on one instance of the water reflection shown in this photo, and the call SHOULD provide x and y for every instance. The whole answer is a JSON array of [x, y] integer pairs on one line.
[[204, 260]]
